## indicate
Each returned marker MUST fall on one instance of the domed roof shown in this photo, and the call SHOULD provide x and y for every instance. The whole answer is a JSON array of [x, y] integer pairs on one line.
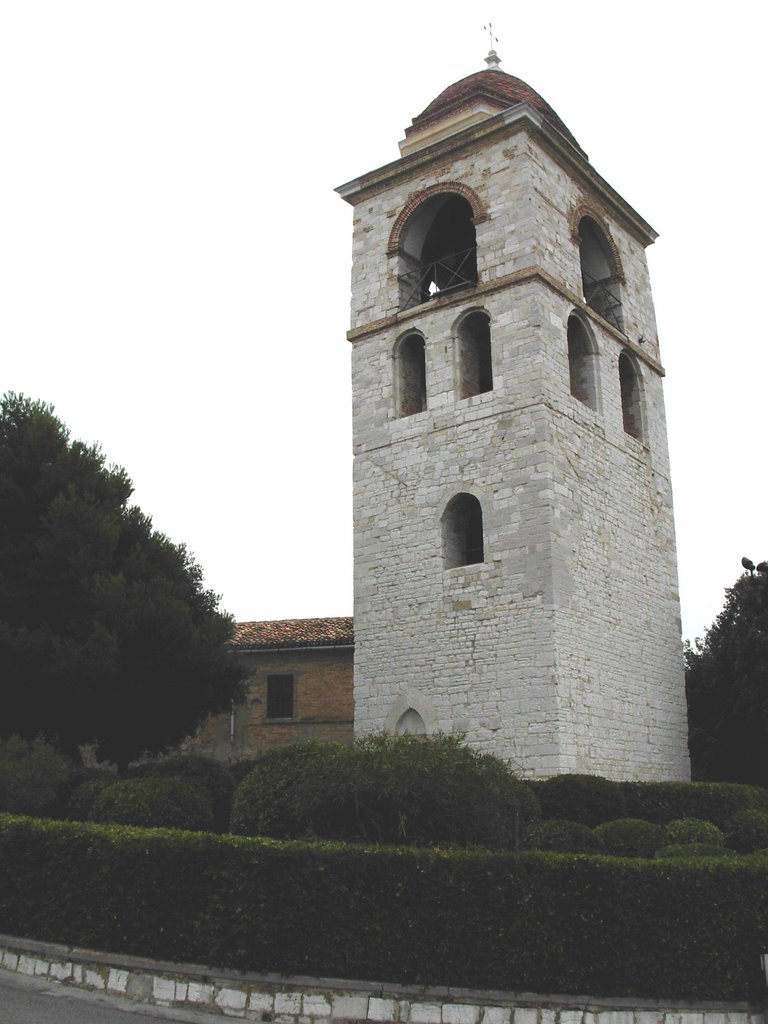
[[493, 87]]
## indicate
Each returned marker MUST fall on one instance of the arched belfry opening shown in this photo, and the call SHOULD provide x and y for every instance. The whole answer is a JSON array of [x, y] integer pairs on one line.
[[600, 278], [462, 526], [438, 249], [582, 362], [473, 352], [631, 397]]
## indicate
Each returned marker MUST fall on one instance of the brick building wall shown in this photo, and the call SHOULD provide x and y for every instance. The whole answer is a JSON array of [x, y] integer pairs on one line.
[[298, 686]]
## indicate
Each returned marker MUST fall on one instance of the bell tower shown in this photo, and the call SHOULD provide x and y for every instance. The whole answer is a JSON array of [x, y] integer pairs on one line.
[[515, 567]]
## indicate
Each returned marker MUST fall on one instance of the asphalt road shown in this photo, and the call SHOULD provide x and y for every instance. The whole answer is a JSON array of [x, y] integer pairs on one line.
[[25, 1000]]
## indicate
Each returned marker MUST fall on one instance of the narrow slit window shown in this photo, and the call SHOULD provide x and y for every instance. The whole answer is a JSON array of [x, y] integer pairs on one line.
[[631, 400], [411, 373], [582, 368], [474, 355]]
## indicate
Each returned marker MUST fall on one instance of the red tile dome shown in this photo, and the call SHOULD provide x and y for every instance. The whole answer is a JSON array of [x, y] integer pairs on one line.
[[496, 88]]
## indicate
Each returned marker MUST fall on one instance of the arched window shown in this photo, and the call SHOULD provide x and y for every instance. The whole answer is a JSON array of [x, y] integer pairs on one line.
[[582, 362], [410, 375], [438, 249], [473, 337], [631, 396], [600, 279], [410, 723], [462, 531]]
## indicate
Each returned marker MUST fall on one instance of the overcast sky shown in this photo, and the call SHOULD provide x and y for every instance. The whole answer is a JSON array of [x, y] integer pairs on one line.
[[174, 262]]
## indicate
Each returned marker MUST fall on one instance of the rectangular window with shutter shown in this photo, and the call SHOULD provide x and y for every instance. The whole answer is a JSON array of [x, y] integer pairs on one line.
[[280, 696]]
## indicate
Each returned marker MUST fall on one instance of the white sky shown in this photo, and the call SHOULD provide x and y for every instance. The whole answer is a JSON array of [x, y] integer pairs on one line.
[[174, 263]]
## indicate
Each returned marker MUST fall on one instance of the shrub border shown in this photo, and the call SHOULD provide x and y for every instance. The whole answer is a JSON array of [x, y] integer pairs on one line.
[[539, 922]]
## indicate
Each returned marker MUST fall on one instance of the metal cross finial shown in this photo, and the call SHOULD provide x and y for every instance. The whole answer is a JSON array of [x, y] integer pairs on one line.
[[491, 37]]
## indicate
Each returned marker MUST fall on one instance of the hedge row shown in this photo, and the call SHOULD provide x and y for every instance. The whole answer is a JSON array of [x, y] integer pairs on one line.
[[528, 922], [592, 800]]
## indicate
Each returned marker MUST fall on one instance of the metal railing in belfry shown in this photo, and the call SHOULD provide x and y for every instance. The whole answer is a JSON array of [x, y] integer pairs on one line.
[[455, 270], [603, 296]]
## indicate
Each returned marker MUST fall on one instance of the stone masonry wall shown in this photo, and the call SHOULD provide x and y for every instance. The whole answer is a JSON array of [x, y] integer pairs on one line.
[[562, 650]]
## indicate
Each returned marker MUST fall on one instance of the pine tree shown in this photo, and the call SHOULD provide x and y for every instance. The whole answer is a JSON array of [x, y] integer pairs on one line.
[[107, 635], [727, 688]]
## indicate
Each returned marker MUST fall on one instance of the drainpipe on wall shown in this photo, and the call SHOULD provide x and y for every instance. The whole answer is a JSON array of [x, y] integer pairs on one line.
[[231, 731]]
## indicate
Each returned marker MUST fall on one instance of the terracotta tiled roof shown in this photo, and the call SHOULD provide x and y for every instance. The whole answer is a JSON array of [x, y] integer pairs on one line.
[[293, 633], [495, 87]]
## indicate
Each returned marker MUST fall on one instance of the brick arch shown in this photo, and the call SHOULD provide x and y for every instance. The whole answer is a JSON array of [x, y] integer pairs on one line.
[[415, 200], [585, 210]]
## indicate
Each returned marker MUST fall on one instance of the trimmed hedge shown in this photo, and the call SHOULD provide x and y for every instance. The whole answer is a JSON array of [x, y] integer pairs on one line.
[[34, 778], [693, 830], [718, 802], [588, 799], [563, 837], [199, 771], [170, 803], [630, 837], [539, 922], [748, 832], [82, 798], [385, 789], [688, 850]]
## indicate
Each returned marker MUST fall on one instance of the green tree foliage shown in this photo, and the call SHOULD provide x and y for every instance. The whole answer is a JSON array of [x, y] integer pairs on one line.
[[106, 633], [727, 689]]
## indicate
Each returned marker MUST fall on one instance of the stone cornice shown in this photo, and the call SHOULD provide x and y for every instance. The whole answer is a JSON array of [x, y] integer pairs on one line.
[[519, 277], [521, 117]]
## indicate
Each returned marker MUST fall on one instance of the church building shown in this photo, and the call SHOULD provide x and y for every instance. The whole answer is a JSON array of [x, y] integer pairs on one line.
[[515, 566]]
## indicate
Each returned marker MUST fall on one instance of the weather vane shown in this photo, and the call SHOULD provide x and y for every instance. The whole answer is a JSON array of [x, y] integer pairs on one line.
[[492, 60]]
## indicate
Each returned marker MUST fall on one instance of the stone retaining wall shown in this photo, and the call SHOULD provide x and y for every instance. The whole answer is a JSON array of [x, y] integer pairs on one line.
[[297, 1000]]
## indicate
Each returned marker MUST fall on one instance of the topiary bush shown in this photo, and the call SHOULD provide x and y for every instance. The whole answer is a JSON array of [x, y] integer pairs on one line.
[[154, 803], [748, 832], [200, 771], [240, 769], [681, 851], [693, 830], [630, 837], [563, 837], [588, 799], [277, 797], [81, 799], [718, 802], [385, 789], [33, 776]]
